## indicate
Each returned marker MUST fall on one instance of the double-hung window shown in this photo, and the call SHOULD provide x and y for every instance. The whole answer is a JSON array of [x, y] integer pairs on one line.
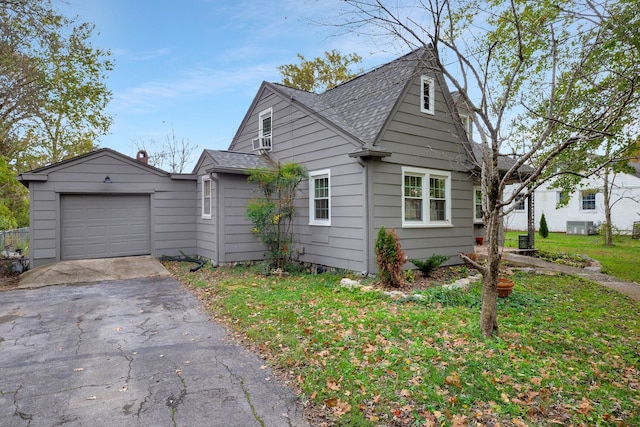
[[467, 124], [264, 141], [320, 197], [206, 197], [427, 94], [477, 205], [426, 197], [520, 199], [588, 200]]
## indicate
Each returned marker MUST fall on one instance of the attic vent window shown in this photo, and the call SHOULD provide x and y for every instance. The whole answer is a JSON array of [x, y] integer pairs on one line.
[[263, 141], [427, 91]]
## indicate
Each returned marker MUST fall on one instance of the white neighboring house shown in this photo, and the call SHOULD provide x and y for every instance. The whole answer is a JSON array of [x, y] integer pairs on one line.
[[585, 210]]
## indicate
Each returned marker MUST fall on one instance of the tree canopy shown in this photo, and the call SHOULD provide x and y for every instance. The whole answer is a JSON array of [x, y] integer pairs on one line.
[[550, 80], [319, 74], [52, 90]]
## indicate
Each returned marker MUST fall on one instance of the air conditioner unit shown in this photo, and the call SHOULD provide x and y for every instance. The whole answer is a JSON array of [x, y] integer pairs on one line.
[[581, 227], [262, 143]]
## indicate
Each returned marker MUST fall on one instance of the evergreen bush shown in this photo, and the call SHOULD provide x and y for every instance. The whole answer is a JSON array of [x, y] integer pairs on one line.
[[544, 230], [428, 265], [390, 258]]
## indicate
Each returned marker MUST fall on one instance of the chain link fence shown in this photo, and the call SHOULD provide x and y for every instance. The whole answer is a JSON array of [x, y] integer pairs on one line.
[[16, 241]]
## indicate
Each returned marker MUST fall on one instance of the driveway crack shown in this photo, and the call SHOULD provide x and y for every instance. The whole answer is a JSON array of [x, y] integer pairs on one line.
[[246, 392]]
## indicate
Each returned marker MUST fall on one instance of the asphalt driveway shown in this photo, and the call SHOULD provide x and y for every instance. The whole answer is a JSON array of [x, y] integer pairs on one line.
[[134, 352]]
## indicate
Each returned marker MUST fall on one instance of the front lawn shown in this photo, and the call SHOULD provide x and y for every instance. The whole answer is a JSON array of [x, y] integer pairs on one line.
[[621, 260], [568, 350]]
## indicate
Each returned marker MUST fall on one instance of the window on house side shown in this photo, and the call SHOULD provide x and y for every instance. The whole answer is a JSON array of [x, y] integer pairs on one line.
[[467, 124], [320, 197], [520, 202], [427, 91], [588, 200], [477, 205], [562, 198], [426, 197], [265, 127], [206, 198]]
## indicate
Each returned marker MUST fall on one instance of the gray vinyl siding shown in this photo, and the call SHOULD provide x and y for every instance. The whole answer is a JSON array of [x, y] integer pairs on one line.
[[431, 142], [422, 242], [299, 137], [237, 242], [171, 202], [206, 228]]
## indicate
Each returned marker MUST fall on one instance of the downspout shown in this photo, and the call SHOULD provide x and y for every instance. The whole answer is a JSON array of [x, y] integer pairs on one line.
[[218, 225], [367, 217]]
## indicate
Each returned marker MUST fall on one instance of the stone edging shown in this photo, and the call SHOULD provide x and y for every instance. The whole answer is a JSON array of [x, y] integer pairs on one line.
[[355, 284]]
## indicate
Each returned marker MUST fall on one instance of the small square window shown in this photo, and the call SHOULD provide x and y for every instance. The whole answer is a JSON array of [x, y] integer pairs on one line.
[[588, 200]]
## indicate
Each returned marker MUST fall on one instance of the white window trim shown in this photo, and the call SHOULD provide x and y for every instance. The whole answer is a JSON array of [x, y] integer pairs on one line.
[[312, 176], [518, 201], [426, 175], [467, 124], [476, 220], [267, 112], [595, 200], [431, 83], [206, 179]]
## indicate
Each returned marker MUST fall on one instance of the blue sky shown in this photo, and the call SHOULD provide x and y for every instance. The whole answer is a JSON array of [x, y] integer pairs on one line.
[[193, 66]]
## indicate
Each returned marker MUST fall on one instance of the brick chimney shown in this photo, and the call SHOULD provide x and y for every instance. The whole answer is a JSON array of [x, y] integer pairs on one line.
[[142, 157]]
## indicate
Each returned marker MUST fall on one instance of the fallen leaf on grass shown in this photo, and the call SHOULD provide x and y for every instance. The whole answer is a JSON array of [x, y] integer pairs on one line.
[[453, 380], [333, 385], [459, 421]]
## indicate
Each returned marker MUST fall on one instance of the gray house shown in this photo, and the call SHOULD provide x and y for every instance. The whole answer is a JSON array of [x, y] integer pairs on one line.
[[387, 148], [384, 149]]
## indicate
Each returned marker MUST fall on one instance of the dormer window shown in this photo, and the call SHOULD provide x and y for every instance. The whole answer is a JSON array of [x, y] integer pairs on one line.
[[427, 91], [263, 141], [467, 124]]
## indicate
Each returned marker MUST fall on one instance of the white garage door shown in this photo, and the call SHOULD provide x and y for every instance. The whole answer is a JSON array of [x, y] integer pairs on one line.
[[102, 226]]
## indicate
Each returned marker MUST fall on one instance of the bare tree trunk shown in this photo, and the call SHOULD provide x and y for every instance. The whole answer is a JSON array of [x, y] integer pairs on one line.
[[608, 227], [489, 312]]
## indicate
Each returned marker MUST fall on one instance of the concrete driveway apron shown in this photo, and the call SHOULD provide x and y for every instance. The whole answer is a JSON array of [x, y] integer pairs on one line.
[[136, 352]]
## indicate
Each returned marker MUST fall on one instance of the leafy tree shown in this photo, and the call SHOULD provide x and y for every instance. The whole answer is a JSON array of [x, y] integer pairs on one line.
[[544, 229], [552, 80], [14, 203], [52, 91], [319, 74], [273, 211]]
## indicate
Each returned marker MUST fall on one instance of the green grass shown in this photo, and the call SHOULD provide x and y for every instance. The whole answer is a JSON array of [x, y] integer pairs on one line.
[[568, 352], [620, 260]]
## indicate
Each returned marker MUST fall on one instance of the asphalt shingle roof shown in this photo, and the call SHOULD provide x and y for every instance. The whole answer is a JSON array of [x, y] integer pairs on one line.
[[228, 161], [362, 105]]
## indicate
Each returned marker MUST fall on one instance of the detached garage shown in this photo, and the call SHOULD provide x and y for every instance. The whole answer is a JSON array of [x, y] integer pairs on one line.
[[105, 204], [101, 226]]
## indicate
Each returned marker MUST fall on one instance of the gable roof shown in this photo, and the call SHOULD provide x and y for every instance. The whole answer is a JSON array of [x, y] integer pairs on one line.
[[236, 163], [362, 105], [41, 173]]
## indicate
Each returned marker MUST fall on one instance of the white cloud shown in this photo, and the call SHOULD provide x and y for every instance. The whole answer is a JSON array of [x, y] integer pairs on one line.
[[191, 84]]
